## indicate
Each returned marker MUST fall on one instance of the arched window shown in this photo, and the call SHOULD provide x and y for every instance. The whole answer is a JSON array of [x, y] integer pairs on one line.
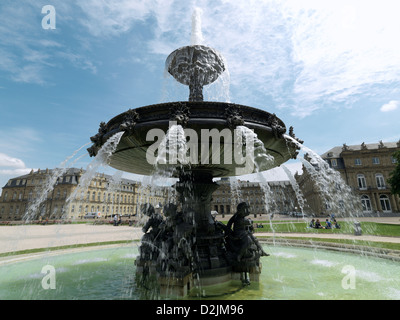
[[362, 184], [366, 203], [385, 203]]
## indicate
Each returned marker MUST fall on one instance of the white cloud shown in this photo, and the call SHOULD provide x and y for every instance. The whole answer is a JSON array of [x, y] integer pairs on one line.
[[7, 161], [303, 55], [14, 172], [390, 106], [343, 49], [108, 18], [11, 167]]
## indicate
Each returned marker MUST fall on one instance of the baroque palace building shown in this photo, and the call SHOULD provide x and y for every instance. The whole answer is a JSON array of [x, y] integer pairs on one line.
[[276, 197], [366, 169], [31, 195]]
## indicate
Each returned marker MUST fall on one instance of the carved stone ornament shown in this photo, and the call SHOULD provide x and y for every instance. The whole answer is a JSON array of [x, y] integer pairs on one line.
[[291, 133], [345, 147], [234, 116], [97, 139], [277, 129], [180, 113], [363, 146], [128, 124]]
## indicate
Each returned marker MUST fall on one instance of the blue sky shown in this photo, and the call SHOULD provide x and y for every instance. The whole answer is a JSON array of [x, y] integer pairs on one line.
[[329, 68]]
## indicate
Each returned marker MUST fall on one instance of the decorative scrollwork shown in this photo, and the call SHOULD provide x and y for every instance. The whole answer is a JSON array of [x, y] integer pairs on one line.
[[129, 122], [234, 116], [97, 139], [277, 129]]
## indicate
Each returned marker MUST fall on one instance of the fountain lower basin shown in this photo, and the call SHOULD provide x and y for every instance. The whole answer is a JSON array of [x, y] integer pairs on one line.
[[293, 274]]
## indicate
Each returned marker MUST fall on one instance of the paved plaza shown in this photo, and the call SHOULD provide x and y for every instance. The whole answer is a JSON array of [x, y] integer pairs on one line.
[[24, 237]]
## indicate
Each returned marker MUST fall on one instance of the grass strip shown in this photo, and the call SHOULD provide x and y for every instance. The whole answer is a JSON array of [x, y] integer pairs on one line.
[[372, 244], [72, 246]]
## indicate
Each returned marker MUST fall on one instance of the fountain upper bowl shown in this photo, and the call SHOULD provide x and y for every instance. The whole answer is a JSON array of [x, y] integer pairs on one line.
[[131, 154]]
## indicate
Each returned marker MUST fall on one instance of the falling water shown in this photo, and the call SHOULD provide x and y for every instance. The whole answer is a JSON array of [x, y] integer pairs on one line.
[[335, 192], [43, 192], [235, 190], [101, 160], [112, 188], [256, 150], [296, 188], [173, 149]]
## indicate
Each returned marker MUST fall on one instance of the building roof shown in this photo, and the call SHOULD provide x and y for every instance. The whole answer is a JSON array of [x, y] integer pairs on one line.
[[336, 151], [68, 172]]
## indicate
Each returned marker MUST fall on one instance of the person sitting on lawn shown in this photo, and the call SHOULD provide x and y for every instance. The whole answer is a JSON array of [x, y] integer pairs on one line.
[[336, 225], [328, 224], [312, 223], [317, 224]]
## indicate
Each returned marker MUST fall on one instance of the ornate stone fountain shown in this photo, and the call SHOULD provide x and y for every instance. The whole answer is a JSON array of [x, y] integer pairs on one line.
[[187, 247]]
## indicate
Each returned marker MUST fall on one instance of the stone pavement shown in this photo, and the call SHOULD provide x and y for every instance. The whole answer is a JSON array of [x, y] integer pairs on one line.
[[17, 238], [23, 237]]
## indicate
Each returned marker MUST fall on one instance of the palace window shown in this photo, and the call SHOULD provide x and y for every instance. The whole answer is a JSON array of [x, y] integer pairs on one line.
[[380, 181], [375, 160], [334, 162], [385, 203], [366, 203], [357, 162], [362, 184]]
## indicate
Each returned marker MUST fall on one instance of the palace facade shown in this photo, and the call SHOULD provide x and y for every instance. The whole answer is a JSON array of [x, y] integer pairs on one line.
[[366, 169], [275, 197], [55, 194]]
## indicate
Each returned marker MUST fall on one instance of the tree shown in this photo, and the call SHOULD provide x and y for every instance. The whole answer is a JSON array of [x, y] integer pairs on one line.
[[394, 179]]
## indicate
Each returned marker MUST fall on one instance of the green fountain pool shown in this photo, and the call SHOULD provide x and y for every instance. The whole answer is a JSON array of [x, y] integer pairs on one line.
[[289, 273]]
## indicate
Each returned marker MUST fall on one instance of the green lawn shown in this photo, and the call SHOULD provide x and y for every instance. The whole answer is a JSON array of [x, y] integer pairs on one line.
[[368, 228]]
